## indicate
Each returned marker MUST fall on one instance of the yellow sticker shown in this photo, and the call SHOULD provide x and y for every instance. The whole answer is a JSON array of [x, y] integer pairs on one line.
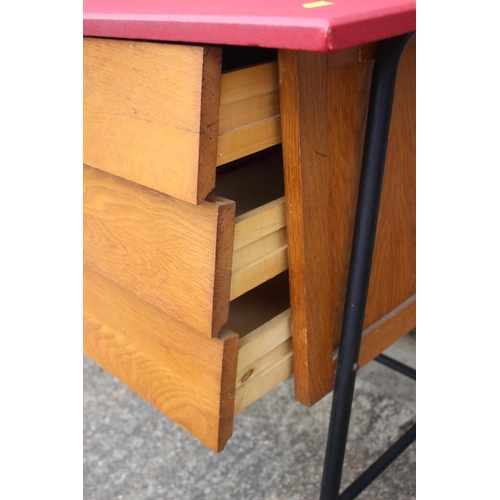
[[313, 5]]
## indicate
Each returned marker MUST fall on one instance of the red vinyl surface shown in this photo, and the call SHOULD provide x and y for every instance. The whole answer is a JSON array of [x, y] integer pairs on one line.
[[281, 24]]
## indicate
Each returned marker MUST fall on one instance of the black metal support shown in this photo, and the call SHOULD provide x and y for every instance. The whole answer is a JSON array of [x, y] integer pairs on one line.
[[379, 466], [397, 366], [372, 170]]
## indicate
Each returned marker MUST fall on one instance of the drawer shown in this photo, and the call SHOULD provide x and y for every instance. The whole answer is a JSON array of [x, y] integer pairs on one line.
[[198, 382], [165, 115], [189, 260]]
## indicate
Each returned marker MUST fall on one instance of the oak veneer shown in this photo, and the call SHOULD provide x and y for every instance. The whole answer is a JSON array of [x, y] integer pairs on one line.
[[324, 101], [151, 113], [173, 254], [188, 377], [309, 197]]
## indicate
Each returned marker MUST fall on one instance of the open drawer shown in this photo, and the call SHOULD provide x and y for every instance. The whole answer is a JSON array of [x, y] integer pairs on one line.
[[165, 115], [198, 382], [189, 260]]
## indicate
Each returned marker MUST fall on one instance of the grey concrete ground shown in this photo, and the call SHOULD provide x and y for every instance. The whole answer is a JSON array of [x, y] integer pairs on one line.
[[132, 452]]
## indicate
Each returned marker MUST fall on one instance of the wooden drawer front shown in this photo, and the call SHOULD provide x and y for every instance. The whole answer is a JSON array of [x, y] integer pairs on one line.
[[178, 256], [143, 116], [188, 377], [175, 255], [194, 380], [151, 113]]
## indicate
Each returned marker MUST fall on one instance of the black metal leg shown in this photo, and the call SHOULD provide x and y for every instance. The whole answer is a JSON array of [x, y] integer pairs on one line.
[[372, 170], [379, 466], [396, 365]]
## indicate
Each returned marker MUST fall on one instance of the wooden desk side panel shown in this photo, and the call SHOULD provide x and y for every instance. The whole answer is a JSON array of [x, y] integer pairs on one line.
[[173, 254], [189, 378], [384, 332], [151, 113], [308, 198], [393, 277], [322, 167]]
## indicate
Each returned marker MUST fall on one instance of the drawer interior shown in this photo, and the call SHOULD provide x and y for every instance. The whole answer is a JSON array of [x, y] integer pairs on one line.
[[236, 57], [261, 318], [252, 181], [256, 185], [249, 113]]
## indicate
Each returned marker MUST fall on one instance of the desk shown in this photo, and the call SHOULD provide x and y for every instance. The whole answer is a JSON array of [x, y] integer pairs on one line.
[[160, 254]]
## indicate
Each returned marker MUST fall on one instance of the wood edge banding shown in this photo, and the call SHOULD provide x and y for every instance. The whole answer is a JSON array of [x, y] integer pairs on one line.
[[223, 263], [209, 120]]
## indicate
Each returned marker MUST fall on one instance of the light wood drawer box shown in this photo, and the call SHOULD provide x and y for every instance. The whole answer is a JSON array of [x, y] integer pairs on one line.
[[198, 382], [164, 115], [189, 260]]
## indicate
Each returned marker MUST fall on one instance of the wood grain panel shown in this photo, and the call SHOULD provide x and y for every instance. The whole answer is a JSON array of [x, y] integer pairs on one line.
[[387, 330], [241, 84], [264, 360], [248, 95], [248, 139], [252, 109], [151, 113], [395, 244], [360, 54], [188, 377], [269, 375], [348, 93], [309, 197], [262, 340], [383, 333], [249, 112], [259, 222], [259, 248], [258, 271], [173, 254], [324, 108]]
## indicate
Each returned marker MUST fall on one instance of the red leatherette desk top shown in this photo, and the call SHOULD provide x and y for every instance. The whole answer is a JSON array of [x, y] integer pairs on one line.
[[282, 24]]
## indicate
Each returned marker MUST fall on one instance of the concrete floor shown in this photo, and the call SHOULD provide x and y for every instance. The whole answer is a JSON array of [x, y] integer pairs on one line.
[[132, 452]]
